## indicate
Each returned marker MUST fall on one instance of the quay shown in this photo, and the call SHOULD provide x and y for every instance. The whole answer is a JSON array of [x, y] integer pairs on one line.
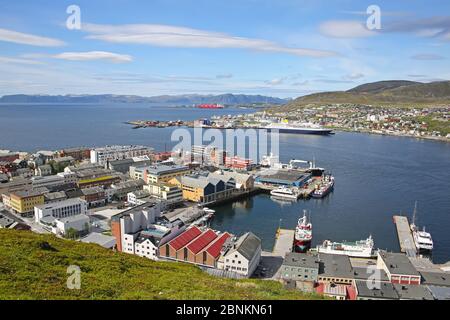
[[283, 242], [405, 236]]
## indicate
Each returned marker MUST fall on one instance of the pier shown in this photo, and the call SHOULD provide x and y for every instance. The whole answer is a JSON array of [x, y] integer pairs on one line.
[[405, 236], [283, 242]]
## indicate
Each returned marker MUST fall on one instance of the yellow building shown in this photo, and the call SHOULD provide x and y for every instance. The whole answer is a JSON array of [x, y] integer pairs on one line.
[[163, 173], [202, 189], [23, 202]]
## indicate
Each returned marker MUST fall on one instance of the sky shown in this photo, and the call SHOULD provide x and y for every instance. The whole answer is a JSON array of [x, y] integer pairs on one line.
[[282, 48]]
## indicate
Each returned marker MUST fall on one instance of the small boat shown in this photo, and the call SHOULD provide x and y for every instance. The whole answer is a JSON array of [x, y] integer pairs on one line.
[[325, 188], [422, 239], [284, 192]]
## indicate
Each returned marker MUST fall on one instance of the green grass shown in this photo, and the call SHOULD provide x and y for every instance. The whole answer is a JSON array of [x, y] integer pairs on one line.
[[436, 125], [27, 271]]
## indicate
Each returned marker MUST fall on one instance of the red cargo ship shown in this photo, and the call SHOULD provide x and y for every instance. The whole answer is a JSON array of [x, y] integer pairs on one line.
[[210, 106]]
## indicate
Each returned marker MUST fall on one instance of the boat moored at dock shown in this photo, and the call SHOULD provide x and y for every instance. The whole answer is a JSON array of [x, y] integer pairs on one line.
[[303, 234], [357, 249], [285, 193], [324, 188], [422, 239]]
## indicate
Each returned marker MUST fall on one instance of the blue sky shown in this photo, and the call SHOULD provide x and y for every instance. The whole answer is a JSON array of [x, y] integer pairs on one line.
[[284, 48]]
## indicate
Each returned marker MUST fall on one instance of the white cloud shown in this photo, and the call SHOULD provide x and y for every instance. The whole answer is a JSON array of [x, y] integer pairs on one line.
[[173, 36], [354, 76], [28, 39], [18, 61], [345, 29], [427, 57], [93, 55], [224, 76], [275, 82]]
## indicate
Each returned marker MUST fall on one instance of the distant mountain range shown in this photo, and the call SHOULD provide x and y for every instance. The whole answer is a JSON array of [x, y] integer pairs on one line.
[[395, 92], [226, 99]]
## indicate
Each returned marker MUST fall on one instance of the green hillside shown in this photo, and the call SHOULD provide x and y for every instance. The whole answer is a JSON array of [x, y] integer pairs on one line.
[[34, 266], [388, 93]]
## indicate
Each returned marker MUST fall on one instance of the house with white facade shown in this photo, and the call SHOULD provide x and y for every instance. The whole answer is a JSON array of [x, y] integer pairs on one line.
[[241, 255]]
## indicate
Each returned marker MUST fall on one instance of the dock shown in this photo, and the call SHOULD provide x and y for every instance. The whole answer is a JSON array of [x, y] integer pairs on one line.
[[283, 242], [405, 236]]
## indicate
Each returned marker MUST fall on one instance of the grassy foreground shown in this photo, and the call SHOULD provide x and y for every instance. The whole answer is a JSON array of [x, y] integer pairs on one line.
[[30, 269]]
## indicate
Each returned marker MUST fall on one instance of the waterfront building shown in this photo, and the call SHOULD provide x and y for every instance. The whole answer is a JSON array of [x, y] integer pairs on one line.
[[23, 202], [109, 153], [300, 267], [173, 195], [174, 248], [243, 181], [202, 189], [238, 163], [62, 209], [398, 268], [241, 256], [283, 177]]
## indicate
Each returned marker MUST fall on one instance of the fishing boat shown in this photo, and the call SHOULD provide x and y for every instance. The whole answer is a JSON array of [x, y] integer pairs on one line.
[[324, 188], [303, 234]]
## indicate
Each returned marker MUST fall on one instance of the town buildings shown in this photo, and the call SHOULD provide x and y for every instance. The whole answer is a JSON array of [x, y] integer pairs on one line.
[[398, 268], [110, 153], [62, 209]]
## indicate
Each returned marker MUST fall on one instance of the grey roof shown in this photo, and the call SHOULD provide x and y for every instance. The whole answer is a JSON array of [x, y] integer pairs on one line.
[[100, 239], [195, 181], [248, 244], [75, 218], [93, 190], [334, 265], [362, 273], [162, 169], [55, 195], [5, 221], [385, 290], [302, 260], [436, 278], [413, 292], [440, 293], [398, 263]]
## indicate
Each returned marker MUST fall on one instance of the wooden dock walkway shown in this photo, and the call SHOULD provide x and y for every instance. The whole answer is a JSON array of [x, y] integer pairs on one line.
[[405, 236]]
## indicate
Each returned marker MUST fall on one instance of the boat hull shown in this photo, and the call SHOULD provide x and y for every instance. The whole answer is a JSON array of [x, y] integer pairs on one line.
[[322, 132], [324, 194], [301, 246]]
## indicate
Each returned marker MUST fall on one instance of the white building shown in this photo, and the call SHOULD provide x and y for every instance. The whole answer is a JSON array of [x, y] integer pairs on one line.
[[109, 153], [171, 194], [62, 209], [241, 256], [79, 223]]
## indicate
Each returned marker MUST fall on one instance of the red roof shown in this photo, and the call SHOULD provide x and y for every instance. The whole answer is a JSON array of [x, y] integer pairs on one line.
[[184, 238], [214, 249], [201, 242]]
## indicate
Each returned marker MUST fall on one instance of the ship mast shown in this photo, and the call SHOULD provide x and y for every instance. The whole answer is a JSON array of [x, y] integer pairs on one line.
[[414, 214]]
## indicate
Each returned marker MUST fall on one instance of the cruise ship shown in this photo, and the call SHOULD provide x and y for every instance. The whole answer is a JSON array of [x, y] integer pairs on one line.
[[304, 128], [358, 249]]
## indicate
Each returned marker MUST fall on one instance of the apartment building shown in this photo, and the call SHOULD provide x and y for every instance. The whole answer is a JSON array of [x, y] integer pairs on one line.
[[23, 202], [110, 153], [173, 195], [162, 173]]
